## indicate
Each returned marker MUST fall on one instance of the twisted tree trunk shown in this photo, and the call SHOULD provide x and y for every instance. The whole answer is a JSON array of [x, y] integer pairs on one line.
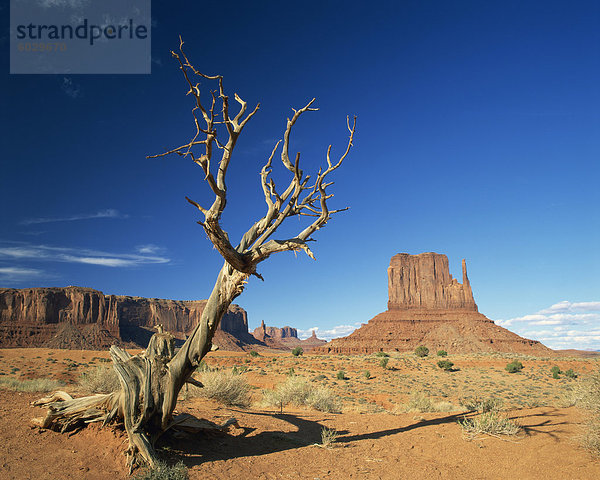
[[151, 381]]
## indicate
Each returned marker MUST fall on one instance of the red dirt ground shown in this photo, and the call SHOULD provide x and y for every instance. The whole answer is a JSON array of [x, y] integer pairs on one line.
[[270, 445]]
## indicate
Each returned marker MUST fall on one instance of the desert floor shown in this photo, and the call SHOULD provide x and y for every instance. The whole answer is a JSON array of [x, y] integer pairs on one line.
[[377, 438]]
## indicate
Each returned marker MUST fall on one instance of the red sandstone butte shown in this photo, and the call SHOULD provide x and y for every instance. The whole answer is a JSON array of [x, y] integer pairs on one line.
[[285, 338], [428, 307]]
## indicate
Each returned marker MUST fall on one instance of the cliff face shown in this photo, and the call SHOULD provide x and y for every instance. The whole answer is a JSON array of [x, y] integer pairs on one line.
[[428, 307], [424, 281], [75, 317]]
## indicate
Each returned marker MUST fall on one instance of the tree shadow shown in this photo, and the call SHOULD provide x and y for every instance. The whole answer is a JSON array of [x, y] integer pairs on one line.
[[213, 446], [394, 431], [538, 428]]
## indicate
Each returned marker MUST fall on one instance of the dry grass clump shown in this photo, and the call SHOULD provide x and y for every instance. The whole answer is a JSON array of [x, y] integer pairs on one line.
[[162, 471], [328, 437], [420, 403], [481, 405], [491, 423], [586, 395], [30, 385], [225, 387], [101, 379], [300, 392]]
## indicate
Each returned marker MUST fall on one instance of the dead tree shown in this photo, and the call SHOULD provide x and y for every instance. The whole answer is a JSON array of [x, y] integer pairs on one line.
[[151, 381]]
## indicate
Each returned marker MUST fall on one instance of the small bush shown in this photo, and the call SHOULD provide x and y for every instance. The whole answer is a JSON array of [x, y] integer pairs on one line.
[[418, 402], [442, 353], [253, 353], [162, 471], [341, 375], [101, 379], [445, 365], [381, 354], [298, 391], [224, 387], [481, 405], [555, 372], [31, 385], [514, 366], [324, 400], [587, 397], [384, 362], [570, 373], [296, 352], [492, 422], [421, 351], [367, 374], [328, 436]]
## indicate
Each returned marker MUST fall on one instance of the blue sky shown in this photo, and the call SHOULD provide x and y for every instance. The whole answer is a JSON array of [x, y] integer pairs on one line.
[[478, 137]]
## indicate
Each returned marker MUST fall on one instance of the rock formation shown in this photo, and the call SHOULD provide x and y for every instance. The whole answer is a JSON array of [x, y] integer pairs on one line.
[[83, 318], [285, 337], [424, 281], [428, 307]]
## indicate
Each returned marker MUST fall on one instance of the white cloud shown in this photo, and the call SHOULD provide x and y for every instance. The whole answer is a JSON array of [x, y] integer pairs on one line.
[[148, 249], [576, 325], [108, 213], [328, 334], [566, 306], [75, 255], [17, 274]]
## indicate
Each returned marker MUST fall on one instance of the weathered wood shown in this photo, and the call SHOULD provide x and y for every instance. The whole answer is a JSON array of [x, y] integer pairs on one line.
[[151, 381]]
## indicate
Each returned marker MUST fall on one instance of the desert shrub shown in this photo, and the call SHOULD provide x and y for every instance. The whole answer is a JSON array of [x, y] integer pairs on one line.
[[253, 353], [291, 372], [445, 365], [381, 354], [239, 370], [101, 379], [384, 362], [481, 405], [442, 353], [421, 351], [30, 385], [367, 374], [296, 352], [492, 422], [294, 390], [324, 400], [162, 471], [341, 375], [328, 436], [587, 396], [298, 391], [418, 402], [570, 373], [225, 387], [555, 371], [514, 366]]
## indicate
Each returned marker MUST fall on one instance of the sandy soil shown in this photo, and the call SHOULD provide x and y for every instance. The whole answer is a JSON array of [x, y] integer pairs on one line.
[[372, 443]]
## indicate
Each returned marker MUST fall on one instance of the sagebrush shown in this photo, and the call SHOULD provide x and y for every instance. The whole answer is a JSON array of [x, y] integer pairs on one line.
[[298, 391], [225, 387], [101, 379]]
